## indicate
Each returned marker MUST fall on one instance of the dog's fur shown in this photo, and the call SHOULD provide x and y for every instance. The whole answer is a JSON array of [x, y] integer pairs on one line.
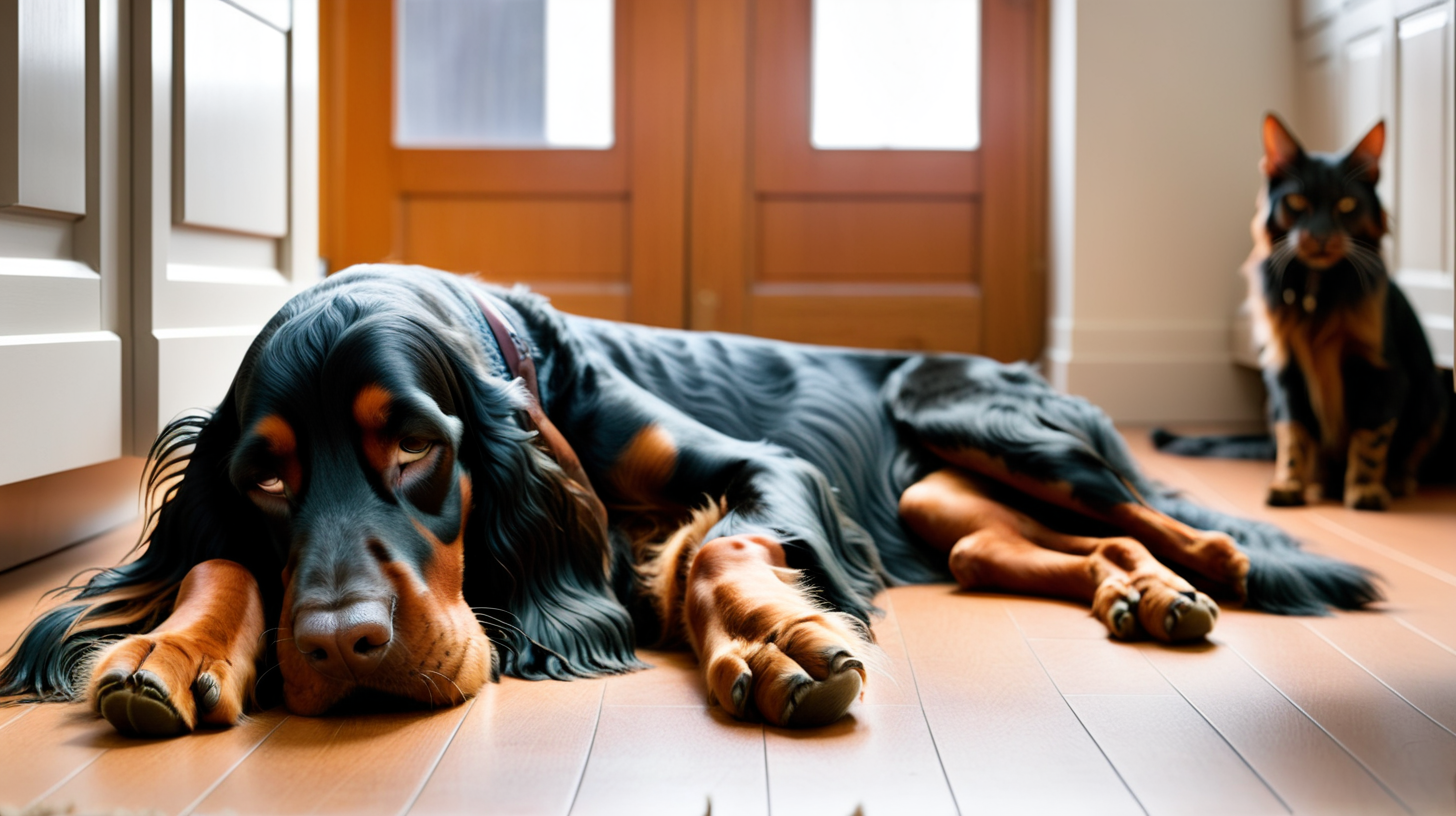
[[760, 495]]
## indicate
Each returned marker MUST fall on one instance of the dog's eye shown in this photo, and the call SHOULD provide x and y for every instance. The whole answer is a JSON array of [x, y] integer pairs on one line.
[[272, 485], [412, 449], [1347, 204], [1296, 202]]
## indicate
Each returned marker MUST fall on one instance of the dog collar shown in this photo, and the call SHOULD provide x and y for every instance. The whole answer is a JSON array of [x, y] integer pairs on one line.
[[517, 356]]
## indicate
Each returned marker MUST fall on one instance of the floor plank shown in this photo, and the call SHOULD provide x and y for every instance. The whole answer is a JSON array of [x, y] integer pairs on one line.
[[1309, 770], [1411, 754], [880, 758], [46, 747], [673, 760], [1421, 671], [164, 776], [1170, 757], [360, 764], [521, 750], [1007, 739]]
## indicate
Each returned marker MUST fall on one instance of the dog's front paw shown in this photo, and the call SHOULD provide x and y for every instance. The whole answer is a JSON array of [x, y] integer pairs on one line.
[[165, 684], [801, 673]]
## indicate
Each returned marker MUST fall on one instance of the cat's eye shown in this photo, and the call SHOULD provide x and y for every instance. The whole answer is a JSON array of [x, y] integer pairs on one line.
[[1296, 202], [413, 449], [272, 485], [1347, 204]]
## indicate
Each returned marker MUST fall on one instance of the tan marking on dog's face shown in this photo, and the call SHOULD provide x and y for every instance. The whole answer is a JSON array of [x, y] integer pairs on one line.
[[371, 413], [283, 446]]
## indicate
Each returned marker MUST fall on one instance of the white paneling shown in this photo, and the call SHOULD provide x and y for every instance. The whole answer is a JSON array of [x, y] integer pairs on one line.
[[51, 422], [1318, 123], [43, 105], [1424, 161], [274, 12], [234, 111], [1364, 85], [47, 296], [1315, 12], [197, 366]]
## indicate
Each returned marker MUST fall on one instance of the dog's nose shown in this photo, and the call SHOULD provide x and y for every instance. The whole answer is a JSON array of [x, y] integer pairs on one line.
[[350, 640]]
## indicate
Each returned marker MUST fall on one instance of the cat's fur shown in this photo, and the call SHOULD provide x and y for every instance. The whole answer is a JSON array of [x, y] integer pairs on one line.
[[1355, 399]]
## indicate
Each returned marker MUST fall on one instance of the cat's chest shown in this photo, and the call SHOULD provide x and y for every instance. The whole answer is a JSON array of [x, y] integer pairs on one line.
[[1320, 344]]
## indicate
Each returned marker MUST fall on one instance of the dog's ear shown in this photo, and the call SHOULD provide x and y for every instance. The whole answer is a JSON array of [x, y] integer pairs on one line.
[[538, 559], [193, 514]]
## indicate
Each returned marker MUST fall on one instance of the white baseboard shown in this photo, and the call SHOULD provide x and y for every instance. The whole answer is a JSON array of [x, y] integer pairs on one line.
[[1150, 372]]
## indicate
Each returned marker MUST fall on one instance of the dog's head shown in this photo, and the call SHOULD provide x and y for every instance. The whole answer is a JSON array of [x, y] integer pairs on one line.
[[370, 467]]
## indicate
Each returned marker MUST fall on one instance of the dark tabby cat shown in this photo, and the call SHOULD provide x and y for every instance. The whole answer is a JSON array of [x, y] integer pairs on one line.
[[1355, 398]]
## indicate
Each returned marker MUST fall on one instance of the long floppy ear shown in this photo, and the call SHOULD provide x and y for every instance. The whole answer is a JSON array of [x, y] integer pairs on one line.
[[193, 514], [1281, 149], [1364, 157], [537, 557]]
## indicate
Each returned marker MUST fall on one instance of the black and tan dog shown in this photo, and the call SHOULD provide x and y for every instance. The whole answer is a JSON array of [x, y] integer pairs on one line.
[[392, 483]]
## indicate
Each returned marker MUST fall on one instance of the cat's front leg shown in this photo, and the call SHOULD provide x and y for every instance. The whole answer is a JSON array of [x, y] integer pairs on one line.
[[1376, 393], [1296, 465]]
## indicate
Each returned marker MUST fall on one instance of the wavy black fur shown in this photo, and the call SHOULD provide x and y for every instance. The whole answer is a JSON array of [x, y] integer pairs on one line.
[[810, 445]]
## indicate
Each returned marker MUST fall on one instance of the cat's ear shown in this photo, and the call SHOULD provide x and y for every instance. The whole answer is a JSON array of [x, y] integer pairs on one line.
[[1281, 149], [1365, 156]]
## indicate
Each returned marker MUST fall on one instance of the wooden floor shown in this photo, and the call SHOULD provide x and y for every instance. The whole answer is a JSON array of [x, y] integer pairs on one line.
[[994, 704]]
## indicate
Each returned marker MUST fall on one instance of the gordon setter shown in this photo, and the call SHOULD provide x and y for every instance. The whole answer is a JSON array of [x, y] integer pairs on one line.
[[426, 481]]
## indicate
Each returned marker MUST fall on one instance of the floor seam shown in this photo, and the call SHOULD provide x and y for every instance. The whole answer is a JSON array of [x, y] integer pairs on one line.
[[590, 746], [925, 715], [469, 706], [1078, 717], [216, 783]]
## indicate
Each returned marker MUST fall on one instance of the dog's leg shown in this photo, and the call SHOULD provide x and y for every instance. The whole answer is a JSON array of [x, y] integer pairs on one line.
[[196, 667], [1210, 553], [765, 646], [994, 547]]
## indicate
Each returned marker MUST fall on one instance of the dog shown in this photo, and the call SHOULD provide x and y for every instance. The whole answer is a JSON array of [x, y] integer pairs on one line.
[[426, 482]]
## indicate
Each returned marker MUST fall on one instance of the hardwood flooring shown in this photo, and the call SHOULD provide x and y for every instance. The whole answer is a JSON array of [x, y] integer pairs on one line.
[[988, 704]]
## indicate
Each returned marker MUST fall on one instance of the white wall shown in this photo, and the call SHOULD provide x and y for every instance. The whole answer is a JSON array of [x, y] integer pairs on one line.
[[1155, 122]]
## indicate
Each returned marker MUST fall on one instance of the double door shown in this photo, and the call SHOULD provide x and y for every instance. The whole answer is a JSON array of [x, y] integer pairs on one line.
[[711, 208]]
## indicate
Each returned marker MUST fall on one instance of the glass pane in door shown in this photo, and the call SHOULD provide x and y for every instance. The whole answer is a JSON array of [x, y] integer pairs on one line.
[[896, 74], [474, 74]]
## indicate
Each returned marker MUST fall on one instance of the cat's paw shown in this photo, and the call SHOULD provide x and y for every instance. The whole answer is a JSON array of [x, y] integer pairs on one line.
[[1286, 494], [1367, 497]]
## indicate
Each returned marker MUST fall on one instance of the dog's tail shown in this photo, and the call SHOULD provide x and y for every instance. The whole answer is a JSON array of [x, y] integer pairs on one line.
[[1259, 447], [1283, 578]]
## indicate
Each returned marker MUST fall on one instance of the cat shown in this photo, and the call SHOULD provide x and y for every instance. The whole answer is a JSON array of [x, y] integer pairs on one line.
[[1356, 402]]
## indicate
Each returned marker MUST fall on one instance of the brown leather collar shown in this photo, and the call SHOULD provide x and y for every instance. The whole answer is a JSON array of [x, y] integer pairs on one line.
[[518, 361]]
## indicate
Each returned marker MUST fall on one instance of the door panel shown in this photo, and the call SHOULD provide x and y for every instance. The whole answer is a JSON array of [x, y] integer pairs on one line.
[[61, 239], [599, 231], [211, 269], [880, 248], [233, 139]]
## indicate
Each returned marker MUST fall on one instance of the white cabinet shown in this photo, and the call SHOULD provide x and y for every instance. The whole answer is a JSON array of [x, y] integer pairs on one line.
[[1363, 60], [158, 203], [62, 235]]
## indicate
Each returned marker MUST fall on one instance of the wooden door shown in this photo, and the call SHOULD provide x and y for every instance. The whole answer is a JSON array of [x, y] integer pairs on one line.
[[711, 210], [897, 249], [599, 231]]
